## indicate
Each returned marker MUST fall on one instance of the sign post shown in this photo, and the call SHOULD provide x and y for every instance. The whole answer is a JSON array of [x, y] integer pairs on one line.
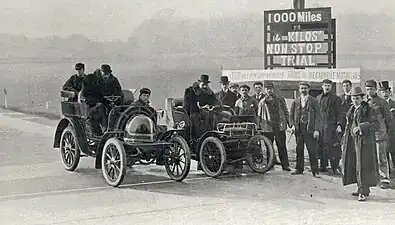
[[299, 38], [5, 99]]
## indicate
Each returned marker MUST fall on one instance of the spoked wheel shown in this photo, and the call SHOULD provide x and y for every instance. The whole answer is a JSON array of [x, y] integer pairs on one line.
[[178, 163], [261, 154], [212, 157], [69, 149], [114, 162]]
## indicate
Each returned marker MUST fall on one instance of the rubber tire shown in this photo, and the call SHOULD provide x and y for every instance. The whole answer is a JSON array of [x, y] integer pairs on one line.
[[121, 150], [221, 147], [187, 151], [77, 157], [270, 149]]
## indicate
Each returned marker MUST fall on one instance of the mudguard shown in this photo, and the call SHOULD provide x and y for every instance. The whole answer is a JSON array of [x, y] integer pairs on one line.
[[99, 148], [79, 131], [204, 136], [167, 134]]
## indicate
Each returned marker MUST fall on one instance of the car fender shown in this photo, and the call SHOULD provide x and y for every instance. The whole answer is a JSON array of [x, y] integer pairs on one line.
[[81, 137], [99, 149], [169, 133], [205, 135]]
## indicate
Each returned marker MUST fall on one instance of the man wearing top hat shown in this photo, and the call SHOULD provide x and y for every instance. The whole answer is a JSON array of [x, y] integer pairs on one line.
[[196, 96], [385, 120], [387, 93], [305, 120], [273, 120], [74, 83], [225, 96], [330, 106], [359, 159], [144, 96]]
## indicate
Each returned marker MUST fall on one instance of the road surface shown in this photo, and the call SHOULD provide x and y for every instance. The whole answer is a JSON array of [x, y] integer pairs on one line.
[[35, 189]]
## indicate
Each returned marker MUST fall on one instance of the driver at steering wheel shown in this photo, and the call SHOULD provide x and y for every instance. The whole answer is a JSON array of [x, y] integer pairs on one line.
[[111, 85], [196, 96]]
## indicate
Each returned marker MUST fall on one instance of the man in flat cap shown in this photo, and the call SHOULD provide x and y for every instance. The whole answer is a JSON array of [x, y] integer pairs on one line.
[[359, 160], [382, 135], [225, 96], [111, 85], [143, 100], [74, 83], [330, 105], [246, 105], [273, 120], [386, 92], [306, 122]]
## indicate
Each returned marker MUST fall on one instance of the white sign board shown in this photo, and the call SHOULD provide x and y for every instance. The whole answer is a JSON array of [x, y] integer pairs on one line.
[[309, 75]]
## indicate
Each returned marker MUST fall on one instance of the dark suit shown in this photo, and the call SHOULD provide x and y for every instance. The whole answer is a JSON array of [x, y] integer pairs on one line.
[[329, 144], [306, 120], [192, 96], [227, 98], [112, 87], [74, 84]]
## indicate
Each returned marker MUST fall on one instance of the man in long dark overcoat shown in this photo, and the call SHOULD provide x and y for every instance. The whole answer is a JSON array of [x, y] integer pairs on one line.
[[385, 119], [330, 105], [360, 162], [387, 93]]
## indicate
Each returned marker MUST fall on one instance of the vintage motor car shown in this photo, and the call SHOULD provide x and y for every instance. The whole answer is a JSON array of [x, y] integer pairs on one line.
[[132, 134], [236, 139]]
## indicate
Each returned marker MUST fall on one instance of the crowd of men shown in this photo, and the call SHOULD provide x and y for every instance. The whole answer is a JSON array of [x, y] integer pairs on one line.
[[358, 130], [350, 127]]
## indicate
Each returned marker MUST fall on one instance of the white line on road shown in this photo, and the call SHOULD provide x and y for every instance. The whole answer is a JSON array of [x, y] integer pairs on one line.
[[97, 188]]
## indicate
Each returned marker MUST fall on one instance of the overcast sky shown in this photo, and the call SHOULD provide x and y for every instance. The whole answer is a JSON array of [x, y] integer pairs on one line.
[[115, 19]]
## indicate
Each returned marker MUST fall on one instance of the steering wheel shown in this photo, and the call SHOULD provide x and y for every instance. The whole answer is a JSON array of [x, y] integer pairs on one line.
[[112, 99], [210, 107]]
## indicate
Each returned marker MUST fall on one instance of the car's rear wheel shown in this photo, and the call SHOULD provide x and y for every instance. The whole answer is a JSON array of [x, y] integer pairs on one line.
[[178, 163], [260, 154], [212, 156], [69, 149], [114, 162]]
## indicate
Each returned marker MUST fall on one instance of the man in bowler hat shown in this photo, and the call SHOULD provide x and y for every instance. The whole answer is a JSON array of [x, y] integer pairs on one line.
[[225, 96], [306, 123], [74, 83], [359, 164], [111, 85], [387, 93], [330, 105], [385, 120]]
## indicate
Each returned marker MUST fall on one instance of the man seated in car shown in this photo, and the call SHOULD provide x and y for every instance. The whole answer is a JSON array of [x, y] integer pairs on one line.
[[111, 85], [93, 95], [74, 83], [143, 100], [196, 96]]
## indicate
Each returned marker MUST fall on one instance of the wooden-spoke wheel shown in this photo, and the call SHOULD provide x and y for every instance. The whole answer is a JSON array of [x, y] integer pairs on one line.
[[114, 162], [212, 157], [260, 154], [178, 163], [69, 149]]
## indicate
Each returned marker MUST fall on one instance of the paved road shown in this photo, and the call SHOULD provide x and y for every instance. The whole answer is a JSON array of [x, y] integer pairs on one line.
[[35, 189]]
